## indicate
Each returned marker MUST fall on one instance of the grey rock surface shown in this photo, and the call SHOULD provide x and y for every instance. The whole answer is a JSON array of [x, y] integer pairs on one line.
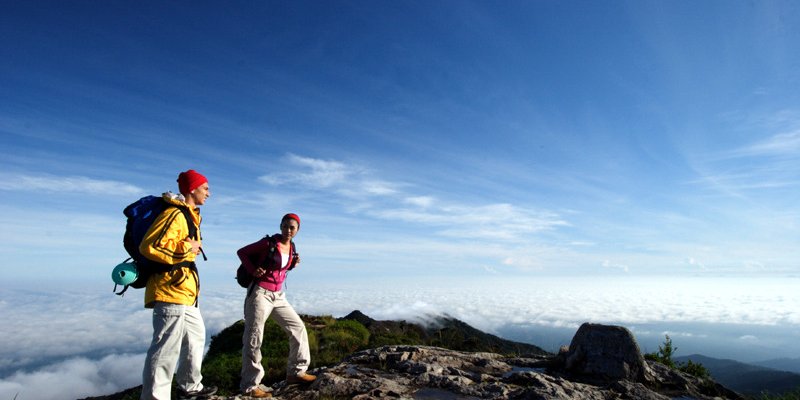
[[602, 363], [606, 352], [419, 372]]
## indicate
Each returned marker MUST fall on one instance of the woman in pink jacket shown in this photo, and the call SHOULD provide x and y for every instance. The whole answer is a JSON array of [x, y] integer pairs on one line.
[[268, 260]]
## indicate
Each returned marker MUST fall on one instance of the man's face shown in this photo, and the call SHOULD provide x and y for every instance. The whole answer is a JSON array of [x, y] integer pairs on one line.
[[200, 194]]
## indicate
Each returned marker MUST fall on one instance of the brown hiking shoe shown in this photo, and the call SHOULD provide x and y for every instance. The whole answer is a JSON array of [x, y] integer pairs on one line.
[[258, 393], [300, 378]]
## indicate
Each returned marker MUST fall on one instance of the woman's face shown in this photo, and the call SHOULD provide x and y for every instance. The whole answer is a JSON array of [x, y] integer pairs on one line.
[[289, 228]]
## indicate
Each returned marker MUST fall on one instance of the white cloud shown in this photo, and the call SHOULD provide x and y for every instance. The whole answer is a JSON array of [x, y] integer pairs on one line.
[[420, 201], [758, 167], [674, 334], [313, 172], [378, 188], [101, 337], [694, 263], [490, 270], [491, 221], [754, 266], [783, 143], [610, 265], [572, 301], [69, 184], [84, 322], [523, 260], [75, 378], [358, 191]]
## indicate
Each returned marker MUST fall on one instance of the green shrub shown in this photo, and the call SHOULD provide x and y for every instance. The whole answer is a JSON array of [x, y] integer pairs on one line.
[[791, 395], [393, 339], [664, 356], [664, 353], [227, 340], [222, 365], [274, 352], [313, 342], [223, 371], [329, 341], [339, 340], [695, 369]]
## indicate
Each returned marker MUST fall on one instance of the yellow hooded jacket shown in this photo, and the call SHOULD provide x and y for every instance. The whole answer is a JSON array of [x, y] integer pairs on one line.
[[165, 242]]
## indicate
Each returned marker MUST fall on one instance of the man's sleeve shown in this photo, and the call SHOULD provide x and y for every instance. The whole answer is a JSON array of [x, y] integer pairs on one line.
[[165, 241]]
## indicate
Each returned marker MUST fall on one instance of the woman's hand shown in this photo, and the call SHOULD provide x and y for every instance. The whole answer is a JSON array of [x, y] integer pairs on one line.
[[259, 272]]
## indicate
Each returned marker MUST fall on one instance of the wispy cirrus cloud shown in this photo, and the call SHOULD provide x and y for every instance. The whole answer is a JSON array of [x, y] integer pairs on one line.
[[71, 184], [787, 143], [350, 181], [420, 201], [762, 165], [498, 221], [320, 173], [398, 202]]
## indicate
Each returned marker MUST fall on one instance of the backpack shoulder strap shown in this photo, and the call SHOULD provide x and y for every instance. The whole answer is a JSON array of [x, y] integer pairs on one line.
[[189, 221], [272, 243], [294, 256], [190, 224]]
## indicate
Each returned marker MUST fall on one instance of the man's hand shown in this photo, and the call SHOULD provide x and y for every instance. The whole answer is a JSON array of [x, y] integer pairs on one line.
[[195, 245]]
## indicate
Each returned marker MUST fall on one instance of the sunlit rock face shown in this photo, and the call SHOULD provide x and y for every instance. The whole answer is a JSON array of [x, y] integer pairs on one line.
[[602, 362]]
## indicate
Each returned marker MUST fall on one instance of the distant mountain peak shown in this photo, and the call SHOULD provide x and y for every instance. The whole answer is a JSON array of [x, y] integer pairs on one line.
[[362, 318]]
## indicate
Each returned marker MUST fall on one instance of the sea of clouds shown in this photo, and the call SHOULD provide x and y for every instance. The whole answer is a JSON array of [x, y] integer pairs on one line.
[[76, 342]]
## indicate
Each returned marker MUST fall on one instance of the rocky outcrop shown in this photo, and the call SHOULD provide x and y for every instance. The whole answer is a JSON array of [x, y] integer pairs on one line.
[[602, 363]]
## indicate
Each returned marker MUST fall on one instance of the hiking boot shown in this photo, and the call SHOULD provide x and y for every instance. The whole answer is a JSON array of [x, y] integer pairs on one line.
[[257, 393], [300, 378], [201, 394]]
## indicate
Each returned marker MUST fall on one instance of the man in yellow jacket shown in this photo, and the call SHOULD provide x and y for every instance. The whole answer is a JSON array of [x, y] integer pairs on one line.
[[178, 330]]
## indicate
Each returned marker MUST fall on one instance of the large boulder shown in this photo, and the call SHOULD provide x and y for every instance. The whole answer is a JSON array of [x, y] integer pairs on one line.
[[605, 352]]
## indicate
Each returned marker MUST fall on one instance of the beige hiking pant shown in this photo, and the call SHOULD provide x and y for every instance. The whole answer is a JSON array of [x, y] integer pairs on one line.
[[260, 305], [179, 337]]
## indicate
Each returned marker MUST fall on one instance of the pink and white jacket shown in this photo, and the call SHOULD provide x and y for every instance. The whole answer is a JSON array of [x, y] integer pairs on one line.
[[266, 253]]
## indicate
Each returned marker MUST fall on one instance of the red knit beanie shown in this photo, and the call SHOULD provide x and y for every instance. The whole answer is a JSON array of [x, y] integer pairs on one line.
[[190, 180], [291, 216]]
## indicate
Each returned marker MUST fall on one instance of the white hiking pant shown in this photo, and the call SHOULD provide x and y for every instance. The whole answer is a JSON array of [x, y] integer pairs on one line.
[[258, 306], [178, 338]]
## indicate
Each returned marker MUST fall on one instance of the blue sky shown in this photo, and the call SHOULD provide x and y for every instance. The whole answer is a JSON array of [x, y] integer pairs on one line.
[[449, 143], [455, 137]]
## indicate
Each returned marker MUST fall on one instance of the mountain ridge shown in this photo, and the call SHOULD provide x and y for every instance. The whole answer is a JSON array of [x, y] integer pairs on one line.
[[746, 378], [337, 340], [781, 364]]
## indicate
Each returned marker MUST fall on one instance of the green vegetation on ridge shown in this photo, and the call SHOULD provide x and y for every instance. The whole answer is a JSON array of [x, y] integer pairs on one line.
[[331, 340], [664, 356]]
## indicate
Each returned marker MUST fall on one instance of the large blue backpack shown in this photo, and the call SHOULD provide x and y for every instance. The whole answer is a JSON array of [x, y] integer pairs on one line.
[[141, 215]]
